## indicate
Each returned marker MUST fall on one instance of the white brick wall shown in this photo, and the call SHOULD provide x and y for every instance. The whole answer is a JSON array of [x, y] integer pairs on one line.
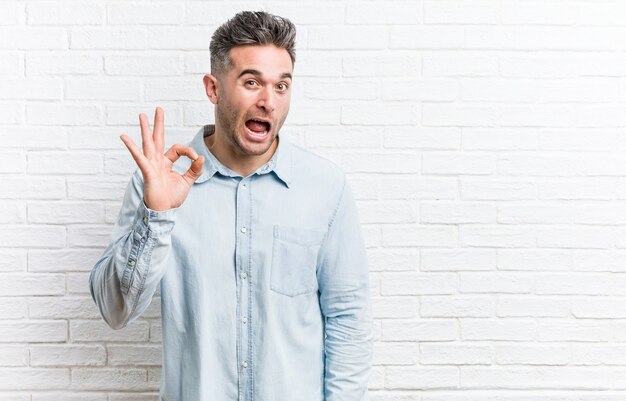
[[484, 140]]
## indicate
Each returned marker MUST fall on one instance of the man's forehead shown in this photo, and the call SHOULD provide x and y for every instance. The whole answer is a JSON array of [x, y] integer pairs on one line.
[[264, 59]]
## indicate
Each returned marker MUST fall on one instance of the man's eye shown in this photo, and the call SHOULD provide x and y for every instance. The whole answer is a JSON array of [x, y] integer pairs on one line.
[[281, 87], [250, 82]]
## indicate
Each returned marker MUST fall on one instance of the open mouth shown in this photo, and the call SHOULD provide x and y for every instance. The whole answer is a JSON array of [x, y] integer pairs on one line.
[[258, 127]]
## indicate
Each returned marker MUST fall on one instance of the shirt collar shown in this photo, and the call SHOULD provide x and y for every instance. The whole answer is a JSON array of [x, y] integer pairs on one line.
[[280, 163]]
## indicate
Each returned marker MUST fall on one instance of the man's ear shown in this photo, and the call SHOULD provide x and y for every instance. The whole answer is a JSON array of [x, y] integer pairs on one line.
[[210, 86]]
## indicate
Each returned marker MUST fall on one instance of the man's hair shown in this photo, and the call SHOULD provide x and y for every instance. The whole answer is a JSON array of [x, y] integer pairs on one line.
[[250, 28]]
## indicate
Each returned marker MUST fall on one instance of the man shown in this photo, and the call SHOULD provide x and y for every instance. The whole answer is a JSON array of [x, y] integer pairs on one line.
[[255, 243]]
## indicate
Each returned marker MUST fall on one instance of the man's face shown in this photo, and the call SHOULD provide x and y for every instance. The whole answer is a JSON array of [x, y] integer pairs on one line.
[[253, 98]]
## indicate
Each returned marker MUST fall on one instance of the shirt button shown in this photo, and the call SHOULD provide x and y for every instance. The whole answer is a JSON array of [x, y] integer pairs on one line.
[[245, 364], [132, 262], [145, 220], [244, 320], [244, 275], [244, 186], [243, 230]]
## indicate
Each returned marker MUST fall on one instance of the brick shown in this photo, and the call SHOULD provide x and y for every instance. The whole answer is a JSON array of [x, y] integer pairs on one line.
[[458, 163], [497, 236], [89, 236], [427, 138], [61, 63], [394, 307], [380, 162], [11, 63], [426, 37], [535, 213], [418, 284], [126, 115], [74, 163], [19, 284], [326, 13], [179, 38], [599, 308], [421, 378], [13, 355], [529, 306], [451, 212], [34, 331], [343, 137], [34, 378], [498, 330], [174, 89], [108, 38], [587, 90], [12, 308], [457, 259], [12, 162], [89, 189], [428, 90], [535, 377], [457, 306], [568, 330], [598, 261], [110, 378], [44, 13], [393, 260], [144, 65], [572, 283], [121, 164], [460, 13], [42, 137], [65, 212], [531, 354], [609, 213], [594, 355], [98, 330], [13, 212], [394, 354], [145, 14], [67, 355], [73, 396], [9, 13], [342, 90], [309, 113], [372, 63], [31, 89], [134, 355], [450, 115], [508, 283], [22, 38], [535, 13], [422, 330], [576, 188], [12, 260], [500, 90], [455, 354], [502, 139], [78, 283], [33, 236], [62, 114], [62, 260], [398, 187], [379, 114], [423, 236], [572, 139], [575, 237], [497, 189], [383, 13], [62, 308], [345, 37], [542, 65], [10, 114], [103, 89], [459, 64]]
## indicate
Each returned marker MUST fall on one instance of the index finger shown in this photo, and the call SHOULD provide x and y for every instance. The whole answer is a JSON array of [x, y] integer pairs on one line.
[[158, 134]]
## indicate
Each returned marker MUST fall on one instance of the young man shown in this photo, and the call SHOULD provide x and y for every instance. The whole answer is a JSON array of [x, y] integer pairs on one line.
[[255, 243]]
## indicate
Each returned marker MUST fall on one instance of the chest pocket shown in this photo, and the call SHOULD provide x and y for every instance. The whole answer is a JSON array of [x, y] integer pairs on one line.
[[294, 260]]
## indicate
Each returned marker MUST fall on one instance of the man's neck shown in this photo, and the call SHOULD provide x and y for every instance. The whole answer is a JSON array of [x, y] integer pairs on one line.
[[227, 154]]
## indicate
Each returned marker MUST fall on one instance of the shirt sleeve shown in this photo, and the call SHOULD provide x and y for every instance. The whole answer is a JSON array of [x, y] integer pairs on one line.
[[124, 279], [346, 306]]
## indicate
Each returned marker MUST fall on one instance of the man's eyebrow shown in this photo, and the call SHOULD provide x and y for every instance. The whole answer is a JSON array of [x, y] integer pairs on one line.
[[260, 74]]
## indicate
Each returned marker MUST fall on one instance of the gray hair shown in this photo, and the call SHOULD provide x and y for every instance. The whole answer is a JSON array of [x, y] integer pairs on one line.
[[250, 28]]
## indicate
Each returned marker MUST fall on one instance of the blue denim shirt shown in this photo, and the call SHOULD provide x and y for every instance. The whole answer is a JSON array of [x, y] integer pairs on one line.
[[263, 279]]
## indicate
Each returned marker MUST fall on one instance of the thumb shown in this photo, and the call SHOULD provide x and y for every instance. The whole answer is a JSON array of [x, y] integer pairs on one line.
[[195, 170]]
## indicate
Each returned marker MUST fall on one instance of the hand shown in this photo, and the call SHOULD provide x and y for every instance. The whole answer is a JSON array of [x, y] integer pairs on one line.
[[163, 188]]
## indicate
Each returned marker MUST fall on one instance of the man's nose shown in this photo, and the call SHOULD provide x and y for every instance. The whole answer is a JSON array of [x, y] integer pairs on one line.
[[266, 100]]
